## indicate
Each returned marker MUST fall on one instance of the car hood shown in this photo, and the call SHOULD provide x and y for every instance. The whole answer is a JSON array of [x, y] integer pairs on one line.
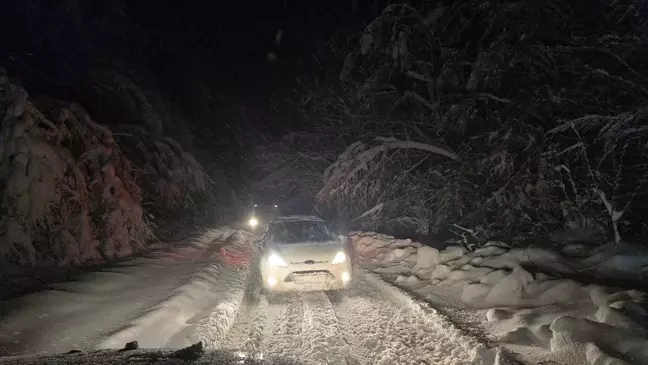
[[300, 252]]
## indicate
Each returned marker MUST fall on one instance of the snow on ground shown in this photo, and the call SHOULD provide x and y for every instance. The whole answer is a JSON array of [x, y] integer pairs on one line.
[[371, 322], [539, 315], [174, 298], [160, 300]]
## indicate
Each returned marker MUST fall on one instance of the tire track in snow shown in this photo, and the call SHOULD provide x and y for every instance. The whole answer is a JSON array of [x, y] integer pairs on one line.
[[247, 332], [283, 335], [212, 329], [255, 334], [323, 340], [388, 327]]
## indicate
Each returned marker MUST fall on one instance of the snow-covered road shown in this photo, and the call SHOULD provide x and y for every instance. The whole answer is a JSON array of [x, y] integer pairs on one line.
[[177, 298], [361, 325]]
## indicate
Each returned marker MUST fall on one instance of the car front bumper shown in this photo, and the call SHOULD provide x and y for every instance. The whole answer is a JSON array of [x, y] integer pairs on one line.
[[306, 277]]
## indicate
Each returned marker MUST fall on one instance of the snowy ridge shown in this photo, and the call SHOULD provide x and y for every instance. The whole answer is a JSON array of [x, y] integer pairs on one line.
[[531, 310], [156, 327], [255, 335], [159, 323], [213, 329], [158, 300]]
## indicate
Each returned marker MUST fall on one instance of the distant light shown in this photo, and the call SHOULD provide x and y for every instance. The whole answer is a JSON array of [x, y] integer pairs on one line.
[[255, 205], [272, 281], [253, 222], [346, 277], [276, 206]]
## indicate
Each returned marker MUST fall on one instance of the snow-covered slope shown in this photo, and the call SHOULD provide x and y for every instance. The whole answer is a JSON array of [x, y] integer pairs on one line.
[[540, 315]]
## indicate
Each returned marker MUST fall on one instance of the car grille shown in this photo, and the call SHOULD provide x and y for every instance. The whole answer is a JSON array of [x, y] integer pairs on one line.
[[309, 276], [308, 262]]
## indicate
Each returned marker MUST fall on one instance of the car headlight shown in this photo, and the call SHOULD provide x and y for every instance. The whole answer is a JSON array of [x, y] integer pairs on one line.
[[339, 258], [253, 222], [276, 260]]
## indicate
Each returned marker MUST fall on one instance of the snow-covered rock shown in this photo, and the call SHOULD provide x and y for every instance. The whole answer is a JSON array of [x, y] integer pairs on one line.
[[440, 272], [489, 251], [599, 295], [451, 253], [510, 290], [401, 242], [394, 269], [576, 249], [413, 281], [494, 277], [427, 257], [496, 314], [631, 295], [542, 276], [508, 260], [595, 356], [483, 355], [568, 331], [559, 291], [618, 318], [474, 292], [470, 274], [544, 334], [456, 275], [461, 261], [521, 336], [635, 310], [497, 244], [476, 261], [424, 274], [546, 259], [399, 254]]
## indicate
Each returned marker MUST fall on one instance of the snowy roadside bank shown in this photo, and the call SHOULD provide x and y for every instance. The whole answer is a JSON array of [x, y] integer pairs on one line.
[[159, 300], [538, 315]]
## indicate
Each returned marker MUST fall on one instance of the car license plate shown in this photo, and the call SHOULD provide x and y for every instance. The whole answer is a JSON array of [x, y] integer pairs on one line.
[[309, 278]]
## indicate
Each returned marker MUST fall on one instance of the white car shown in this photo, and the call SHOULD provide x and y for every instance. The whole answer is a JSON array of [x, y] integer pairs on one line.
[[300, 253]]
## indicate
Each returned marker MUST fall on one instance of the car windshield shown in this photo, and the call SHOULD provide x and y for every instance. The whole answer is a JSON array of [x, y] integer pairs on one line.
[[298, 231]]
